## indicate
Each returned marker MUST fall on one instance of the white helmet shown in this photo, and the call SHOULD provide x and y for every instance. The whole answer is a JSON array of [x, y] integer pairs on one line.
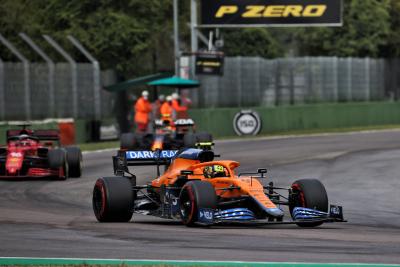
[[169, 98], [175, 96]]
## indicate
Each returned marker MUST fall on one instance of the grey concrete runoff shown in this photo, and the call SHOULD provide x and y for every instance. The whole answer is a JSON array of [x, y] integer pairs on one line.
[[359, 170]]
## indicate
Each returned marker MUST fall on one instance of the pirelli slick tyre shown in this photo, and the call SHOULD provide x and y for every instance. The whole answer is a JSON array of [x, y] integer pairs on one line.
[[113, 199], [195, 195], [128, 141], [308, 193], [57, 159], [204, 137], [74, 160], [189, 140]]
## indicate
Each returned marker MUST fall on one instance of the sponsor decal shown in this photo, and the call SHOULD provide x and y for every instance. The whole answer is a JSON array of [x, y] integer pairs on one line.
[[336, 212], [16, 155], [163, 154], [247, 13], [247, 122], [206, 215], [184, 122]]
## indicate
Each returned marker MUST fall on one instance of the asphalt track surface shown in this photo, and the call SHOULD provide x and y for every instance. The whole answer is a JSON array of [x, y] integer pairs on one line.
[[360, 171]]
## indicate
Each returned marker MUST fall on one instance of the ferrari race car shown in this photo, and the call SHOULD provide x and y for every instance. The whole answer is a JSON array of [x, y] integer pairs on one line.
[[37, 154], [167, 135], [198, 190]]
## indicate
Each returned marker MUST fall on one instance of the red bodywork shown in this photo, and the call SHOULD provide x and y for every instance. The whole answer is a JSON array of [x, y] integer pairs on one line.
[[25, 156]]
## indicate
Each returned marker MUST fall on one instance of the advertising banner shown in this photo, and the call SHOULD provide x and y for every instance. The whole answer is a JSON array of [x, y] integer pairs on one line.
[[264, 13]]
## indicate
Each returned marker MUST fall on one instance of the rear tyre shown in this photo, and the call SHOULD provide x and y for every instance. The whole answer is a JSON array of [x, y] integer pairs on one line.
[[128, 141], [74, 160], [113, 199], [204, 137], [195, 195], [189, 140], [308, 193], [57, 159]]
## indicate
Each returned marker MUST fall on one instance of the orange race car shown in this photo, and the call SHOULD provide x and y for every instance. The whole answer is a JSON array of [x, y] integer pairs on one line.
[[196, 189]]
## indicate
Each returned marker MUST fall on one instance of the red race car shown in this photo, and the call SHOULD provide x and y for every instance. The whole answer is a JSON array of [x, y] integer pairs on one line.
[[37, 154]]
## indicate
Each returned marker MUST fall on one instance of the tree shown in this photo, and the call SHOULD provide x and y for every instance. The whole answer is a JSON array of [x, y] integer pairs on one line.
[[393, 47], [365, 32], [251, 42], [121, 34]]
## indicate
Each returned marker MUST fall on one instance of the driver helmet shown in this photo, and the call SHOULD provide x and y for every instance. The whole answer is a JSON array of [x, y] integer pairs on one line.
[[24, 139], [214, 171], [23, 136]]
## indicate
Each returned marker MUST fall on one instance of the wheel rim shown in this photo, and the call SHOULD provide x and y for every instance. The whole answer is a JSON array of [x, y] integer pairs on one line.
[[299, 199], [186, 206], [98, 200]]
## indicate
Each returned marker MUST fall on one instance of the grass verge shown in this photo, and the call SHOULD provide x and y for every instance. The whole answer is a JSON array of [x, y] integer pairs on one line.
[[115, 144]]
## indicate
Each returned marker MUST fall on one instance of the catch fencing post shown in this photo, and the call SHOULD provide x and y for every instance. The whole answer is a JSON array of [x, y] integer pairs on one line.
[[25, 61], [96, 76], [277, 82], [291, 82], [193, 34], [239, 80], [2, 93], [51, 68], [335, 79], [74, 69], [367, 79], [258, 83], [349, 78]]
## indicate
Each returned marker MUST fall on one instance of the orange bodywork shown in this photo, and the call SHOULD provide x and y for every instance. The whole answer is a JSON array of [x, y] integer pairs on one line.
[[240, 185]]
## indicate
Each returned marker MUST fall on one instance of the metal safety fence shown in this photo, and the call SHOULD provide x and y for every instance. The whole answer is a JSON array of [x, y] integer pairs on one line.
[[20, 96], [255, 81]]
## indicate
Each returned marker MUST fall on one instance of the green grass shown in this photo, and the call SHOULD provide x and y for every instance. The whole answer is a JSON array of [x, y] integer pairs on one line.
[[321, 131], [98, 146], [115, 144]]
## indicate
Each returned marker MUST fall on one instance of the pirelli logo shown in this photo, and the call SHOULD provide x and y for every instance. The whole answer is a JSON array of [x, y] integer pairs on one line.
[[247, 13]]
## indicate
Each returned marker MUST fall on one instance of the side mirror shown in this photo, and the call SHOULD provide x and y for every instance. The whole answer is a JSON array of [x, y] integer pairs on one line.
[[186, 172], [120, 165], [262, 171]]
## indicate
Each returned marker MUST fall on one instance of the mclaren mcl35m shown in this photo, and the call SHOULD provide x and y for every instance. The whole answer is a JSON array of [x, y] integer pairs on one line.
[[198, 190]]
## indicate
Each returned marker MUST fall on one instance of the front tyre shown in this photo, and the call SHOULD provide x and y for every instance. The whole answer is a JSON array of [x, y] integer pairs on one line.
[[311, 194], [113, 199], [57, 160], [74, 160], [195, 195]]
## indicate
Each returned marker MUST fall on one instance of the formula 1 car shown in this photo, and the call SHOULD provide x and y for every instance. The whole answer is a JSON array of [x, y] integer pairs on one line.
[[37, 154], [167, 135], [198, 190]]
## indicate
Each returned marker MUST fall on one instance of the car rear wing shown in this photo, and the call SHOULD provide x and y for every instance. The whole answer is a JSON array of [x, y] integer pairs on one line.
[[183, 122], [177, 123], [43, 135], [47, 135], [126, 158]]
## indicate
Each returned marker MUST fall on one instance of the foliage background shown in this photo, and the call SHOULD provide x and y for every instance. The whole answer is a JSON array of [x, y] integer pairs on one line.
[[134, 37]]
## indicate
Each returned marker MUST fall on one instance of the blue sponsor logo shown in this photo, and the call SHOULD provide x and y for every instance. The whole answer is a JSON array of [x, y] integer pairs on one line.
[[164, 154], [206, 216]]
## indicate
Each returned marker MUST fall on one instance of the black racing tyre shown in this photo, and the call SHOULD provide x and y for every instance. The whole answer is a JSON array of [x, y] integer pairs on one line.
[[74, 160], [113, 199], [195, 195], [189, 140], [57, 158], [204, 137], [309, 193], [128, 141]]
